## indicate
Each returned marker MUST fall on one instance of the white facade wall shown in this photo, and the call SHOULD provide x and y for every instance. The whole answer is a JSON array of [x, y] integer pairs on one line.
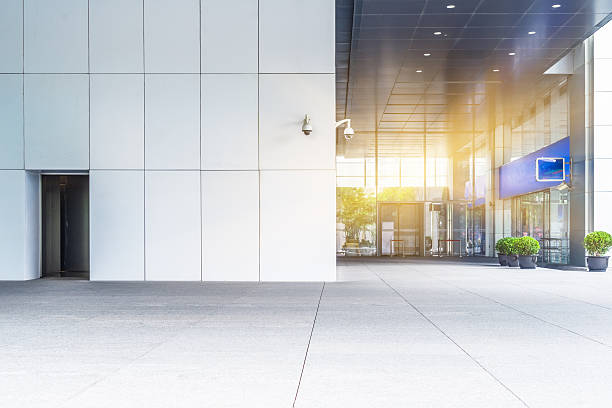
[[187, 115], [602, 129]]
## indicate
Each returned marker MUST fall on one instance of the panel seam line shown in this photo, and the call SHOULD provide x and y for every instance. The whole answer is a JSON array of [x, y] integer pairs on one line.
[[479, 364], [314, 322]]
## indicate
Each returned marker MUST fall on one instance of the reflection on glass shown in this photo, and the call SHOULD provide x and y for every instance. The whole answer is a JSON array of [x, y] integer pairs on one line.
[[355, 221], [400, 179], [400, 228], [476, 232], [545, 216]]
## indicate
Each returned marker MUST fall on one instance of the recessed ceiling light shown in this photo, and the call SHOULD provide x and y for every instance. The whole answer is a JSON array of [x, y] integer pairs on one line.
[[556, 5], [496, 70], [419, 70], [426, 54], [450, 6], [512, 53], [437, 32], [531, 32]]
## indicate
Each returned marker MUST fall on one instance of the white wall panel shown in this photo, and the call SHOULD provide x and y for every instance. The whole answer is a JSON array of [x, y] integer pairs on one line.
[[296, 36], [602, 168], [602, 215], [173, 226], [284, 100], [298, 223], [11, 121], [601, 114], [11, 36], [117, 225], [56, 36], [603, 36], [172, 36], [602, 142], [57, 122], [230, 220], [117, 121], [172, 121], [229, 36], [12, 224], [116, 36], [229, 122]]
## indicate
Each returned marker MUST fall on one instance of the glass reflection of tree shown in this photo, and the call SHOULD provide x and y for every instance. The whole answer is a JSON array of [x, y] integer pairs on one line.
[[356, 209]]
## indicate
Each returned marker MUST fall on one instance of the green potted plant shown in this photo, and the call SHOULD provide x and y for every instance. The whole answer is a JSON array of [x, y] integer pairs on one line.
[[504, 248], [513, 260], [527, 249], [597, 245]]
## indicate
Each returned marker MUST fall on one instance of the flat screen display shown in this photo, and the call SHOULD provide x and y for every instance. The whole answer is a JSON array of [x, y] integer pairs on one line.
[[550, 169]]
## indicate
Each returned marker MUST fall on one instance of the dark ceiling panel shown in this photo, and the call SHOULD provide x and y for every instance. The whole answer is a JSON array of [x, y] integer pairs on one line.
[[392, 6], [444, 20], [461, 6], [428, 33], [586, 19], [494, 20], [428, 45], [476, 44], [567, 6], [487, 32], [504, 6], [395, 73], [539, 20], [386, 20], [596, 6]]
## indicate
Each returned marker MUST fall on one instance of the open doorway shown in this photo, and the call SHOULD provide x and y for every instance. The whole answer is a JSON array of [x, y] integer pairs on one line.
[[65, 226]]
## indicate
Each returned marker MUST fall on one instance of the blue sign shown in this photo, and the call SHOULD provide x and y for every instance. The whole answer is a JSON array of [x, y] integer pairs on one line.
[[550, 169], [521, 176]]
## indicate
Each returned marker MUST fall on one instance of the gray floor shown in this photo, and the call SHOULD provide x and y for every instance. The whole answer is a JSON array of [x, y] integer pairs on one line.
[[391, 334]]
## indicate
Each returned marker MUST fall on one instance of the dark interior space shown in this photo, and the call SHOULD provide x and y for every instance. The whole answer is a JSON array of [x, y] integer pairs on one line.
[[65, 226]]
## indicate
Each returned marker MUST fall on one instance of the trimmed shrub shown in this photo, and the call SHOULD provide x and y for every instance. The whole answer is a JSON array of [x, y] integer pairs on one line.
[[526, 246], [597, 243], [504, 245]]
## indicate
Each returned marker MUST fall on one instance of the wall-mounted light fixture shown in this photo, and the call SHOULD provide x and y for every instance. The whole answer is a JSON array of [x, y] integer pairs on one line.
[[349, 132], [306, 126]]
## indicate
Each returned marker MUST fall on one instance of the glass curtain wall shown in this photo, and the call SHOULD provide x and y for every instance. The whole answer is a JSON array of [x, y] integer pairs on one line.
[[543, 215], [540, 124], [355, 206], [420, 202]]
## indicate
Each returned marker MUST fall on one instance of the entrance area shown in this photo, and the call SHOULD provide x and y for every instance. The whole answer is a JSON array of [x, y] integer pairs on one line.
[[544, 215], [400, 229], [65, 226], [423, 229]]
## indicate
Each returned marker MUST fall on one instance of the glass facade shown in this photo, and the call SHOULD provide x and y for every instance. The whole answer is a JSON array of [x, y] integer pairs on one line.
[[420, 204], [543, 215], [434, 192]]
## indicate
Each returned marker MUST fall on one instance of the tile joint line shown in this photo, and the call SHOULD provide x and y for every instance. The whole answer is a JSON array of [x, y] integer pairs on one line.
[[308, 346], [451, 339]]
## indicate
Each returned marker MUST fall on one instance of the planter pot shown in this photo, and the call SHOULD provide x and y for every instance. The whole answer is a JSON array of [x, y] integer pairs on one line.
[[527, 261], [512, 261], [503, 259], [597, 263]]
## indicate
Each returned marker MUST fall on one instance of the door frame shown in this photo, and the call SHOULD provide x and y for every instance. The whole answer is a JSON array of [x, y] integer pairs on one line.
[[41, 173]]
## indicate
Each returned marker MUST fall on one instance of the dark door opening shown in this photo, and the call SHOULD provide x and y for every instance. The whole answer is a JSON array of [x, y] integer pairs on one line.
[[65, 226]]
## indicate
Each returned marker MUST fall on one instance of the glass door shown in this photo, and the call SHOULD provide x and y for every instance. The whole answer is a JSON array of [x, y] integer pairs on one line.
[[400, 229]]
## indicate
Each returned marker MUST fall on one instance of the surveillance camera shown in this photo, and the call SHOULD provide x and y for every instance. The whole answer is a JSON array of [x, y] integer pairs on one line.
[[349, 132], [306, 126]]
